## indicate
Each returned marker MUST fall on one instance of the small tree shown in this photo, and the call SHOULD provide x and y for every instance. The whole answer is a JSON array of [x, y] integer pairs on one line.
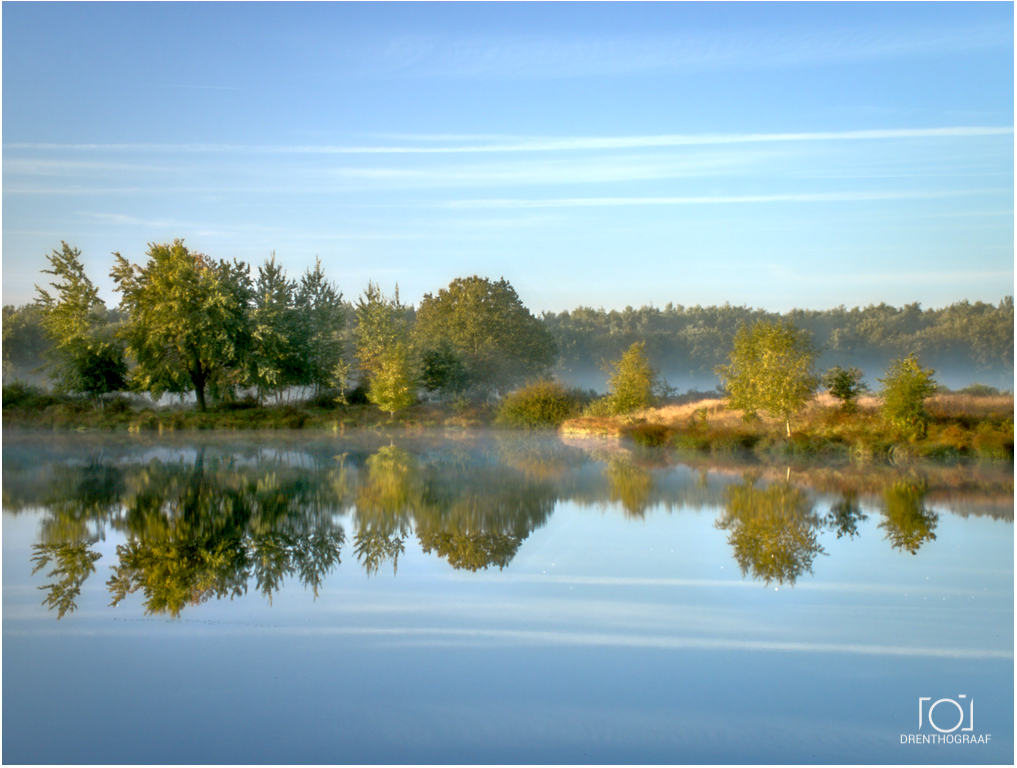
[[905, 389], [771, 369], [846, 385], [632, 380], [391, 387]]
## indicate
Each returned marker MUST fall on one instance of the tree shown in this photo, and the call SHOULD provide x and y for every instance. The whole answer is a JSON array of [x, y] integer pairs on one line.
[[321, 320], [83, 356], [846, 385], [632, 381], [771, 369], [391, 387], [274, 360], [443, 370], [382, 348], [499, 341], [188, 327], [24, 339], [905, 389]]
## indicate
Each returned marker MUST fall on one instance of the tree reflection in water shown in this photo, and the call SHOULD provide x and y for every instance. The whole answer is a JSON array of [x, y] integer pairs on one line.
[[845, 515], [74, 563], [908, 524], [773, 531], [630, 484]]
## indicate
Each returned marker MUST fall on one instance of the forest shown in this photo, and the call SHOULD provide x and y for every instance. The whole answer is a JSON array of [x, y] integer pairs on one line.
[[221, 331]]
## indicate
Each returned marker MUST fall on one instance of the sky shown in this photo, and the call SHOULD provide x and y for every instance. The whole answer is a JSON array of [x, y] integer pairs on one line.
[[776, 156]]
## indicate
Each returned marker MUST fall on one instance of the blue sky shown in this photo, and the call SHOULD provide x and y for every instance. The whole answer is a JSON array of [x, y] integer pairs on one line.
[[777, 156]]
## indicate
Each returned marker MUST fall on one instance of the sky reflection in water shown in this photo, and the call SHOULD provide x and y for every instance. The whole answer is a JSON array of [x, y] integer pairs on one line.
[[496, 598]]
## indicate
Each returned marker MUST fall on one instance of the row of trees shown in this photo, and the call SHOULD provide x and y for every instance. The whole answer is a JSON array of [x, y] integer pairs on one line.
[[188, 323]]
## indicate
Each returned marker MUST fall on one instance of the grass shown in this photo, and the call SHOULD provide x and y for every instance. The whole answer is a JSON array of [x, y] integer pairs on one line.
[[962, 426]]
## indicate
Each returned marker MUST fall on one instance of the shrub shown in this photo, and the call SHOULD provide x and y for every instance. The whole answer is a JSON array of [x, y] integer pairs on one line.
[[978, 390], [544, 403], [846, 385], [18, 394], [117, 405], [633, 381], [905, 389]]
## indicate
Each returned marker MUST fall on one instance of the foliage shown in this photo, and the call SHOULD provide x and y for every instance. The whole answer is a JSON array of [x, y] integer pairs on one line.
[[544, 403], [24, 340], [274, 360], [632, 381], [905, 389], [908, 524], [771, 369], [773, 531], [74, 563], [320, 319], [845, 384], [83, 356], [443, 370], [391, 387], [189, 327], [499, 342]]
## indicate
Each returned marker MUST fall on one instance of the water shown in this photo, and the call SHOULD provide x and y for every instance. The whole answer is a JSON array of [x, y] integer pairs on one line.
[[496, 598]]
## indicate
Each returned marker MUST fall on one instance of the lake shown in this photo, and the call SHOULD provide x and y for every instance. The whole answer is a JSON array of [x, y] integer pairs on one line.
[[477, 597]]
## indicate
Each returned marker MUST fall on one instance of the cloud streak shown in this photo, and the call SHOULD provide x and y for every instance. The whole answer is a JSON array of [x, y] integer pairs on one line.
[[819, 197], [542, 144]]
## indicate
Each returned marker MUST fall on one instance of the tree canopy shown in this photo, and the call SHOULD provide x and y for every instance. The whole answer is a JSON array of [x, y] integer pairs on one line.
[[83, 356], [500, 343], [189, 328], [771, 369]]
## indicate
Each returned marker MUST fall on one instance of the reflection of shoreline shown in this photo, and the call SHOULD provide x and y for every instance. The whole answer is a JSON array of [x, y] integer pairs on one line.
[[968, 489]]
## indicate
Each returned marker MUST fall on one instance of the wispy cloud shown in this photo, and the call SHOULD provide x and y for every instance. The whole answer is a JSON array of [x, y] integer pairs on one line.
[[819, 197], [541, 144]]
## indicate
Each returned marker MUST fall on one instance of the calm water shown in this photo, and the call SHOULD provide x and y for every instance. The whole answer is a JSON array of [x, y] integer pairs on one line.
[[496, 598]]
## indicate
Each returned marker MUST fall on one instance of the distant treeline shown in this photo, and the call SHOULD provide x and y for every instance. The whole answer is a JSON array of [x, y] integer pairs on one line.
[[238, 328], [964, 342]]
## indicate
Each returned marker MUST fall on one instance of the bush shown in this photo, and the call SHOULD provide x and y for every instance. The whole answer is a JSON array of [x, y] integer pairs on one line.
[[542, 404], [650, 435], [117, 405], [905, 389], [18, 394]]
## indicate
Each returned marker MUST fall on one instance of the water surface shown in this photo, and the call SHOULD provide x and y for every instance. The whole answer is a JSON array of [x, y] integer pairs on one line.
[[472, 597]]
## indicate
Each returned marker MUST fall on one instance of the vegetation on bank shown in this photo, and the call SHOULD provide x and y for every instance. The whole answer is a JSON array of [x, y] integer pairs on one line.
[[959, 425]]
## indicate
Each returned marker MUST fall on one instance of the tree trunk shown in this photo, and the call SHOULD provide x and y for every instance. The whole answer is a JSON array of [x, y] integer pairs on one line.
[[198, 379]]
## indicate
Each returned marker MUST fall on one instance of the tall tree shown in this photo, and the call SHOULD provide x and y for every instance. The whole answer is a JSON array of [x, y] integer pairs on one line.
[[771, 369], [321, 319], [188, 327], [381, 325], [83, 356], [274, 361], [500, 342]]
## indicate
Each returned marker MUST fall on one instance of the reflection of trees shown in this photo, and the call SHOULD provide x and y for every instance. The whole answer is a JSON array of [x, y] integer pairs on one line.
[[384, 505], [631, 485], [845, 515], [773, 531], [74, 563], [908, 524]]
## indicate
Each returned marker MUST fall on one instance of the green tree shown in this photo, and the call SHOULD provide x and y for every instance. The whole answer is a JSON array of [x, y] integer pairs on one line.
[[771, 369], [905, 389], [322, 319], [499, 341], [274, 361], [189, 325], [632, 381], [381, 328], [443, 370], [391, 387], [83, 356], [847, 385]]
